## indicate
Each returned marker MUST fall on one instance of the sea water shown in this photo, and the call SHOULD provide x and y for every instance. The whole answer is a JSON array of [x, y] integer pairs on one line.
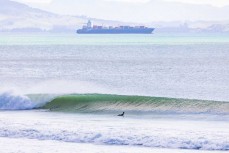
[[36, 69]]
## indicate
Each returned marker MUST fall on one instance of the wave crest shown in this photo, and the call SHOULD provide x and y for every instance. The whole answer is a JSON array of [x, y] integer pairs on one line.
[[12, 101], [91, 103]]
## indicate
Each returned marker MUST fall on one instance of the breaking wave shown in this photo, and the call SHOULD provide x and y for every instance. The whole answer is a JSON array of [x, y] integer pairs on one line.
[[102, 103], [105, 103], [13, 101], [158, 138]]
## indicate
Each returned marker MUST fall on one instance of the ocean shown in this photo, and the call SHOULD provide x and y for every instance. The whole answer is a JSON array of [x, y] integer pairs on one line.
[[62, 93]]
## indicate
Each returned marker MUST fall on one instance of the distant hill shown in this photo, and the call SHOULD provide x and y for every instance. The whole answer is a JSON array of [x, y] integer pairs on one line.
[[18, 17], [192, 26], [15, 16]]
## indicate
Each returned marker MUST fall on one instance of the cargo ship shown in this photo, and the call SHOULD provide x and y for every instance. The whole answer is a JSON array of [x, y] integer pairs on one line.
[[94, 29]]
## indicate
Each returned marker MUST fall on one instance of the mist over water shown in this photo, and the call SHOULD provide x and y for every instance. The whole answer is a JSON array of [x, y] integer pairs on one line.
[[152, 65]]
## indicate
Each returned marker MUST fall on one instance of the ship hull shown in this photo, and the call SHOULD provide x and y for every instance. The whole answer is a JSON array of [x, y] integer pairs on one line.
[[115, 31]]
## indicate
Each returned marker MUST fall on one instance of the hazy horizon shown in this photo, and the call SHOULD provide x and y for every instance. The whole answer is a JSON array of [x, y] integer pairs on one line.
[[67, 16], [138, 10]]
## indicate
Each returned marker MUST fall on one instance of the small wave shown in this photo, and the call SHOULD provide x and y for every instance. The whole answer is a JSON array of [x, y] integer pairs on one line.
[[91, 103], [158, 138]]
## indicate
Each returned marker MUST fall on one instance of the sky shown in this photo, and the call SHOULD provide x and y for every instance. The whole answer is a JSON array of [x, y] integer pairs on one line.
[[138, 10]]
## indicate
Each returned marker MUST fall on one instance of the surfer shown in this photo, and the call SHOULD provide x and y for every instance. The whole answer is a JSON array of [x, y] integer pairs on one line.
[[121, 114]]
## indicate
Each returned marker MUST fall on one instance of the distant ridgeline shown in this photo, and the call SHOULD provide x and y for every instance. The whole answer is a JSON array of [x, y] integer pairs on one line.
[[89, 29]]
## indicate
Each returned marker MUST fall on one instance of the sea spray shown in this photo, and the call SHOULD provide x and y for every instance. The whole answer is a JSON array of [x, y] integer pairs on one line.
[[12, 101]]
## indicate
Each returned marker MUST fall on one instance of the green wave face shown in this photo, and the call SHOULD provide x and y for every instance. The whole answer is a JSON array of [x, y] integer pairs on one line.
[[100, 103]]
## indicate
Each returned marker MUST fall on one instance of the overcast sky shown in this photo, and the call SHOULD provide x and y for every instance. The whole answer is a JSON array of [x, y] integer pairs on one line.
[[138, 10]]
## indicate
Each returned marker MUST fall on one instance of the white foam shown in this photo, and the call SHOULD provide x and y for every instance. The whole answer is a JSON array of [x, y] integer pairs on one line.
[[11, 101], [197, 135], [48, 146]]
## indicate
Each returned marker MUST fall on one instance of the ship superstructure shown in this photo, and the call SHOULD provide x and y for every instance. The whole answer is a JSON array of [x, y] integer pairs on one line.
[[95, 29]]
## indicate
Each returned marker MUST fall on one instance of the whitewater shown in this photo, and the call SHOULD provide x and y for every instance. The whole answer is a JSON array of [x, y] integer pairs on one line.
[[66, 90]]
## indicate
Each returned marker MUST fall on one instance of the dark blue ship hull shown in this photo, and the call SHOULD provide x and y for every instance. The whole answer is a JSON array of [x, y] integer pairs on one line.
[[116, 31]]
